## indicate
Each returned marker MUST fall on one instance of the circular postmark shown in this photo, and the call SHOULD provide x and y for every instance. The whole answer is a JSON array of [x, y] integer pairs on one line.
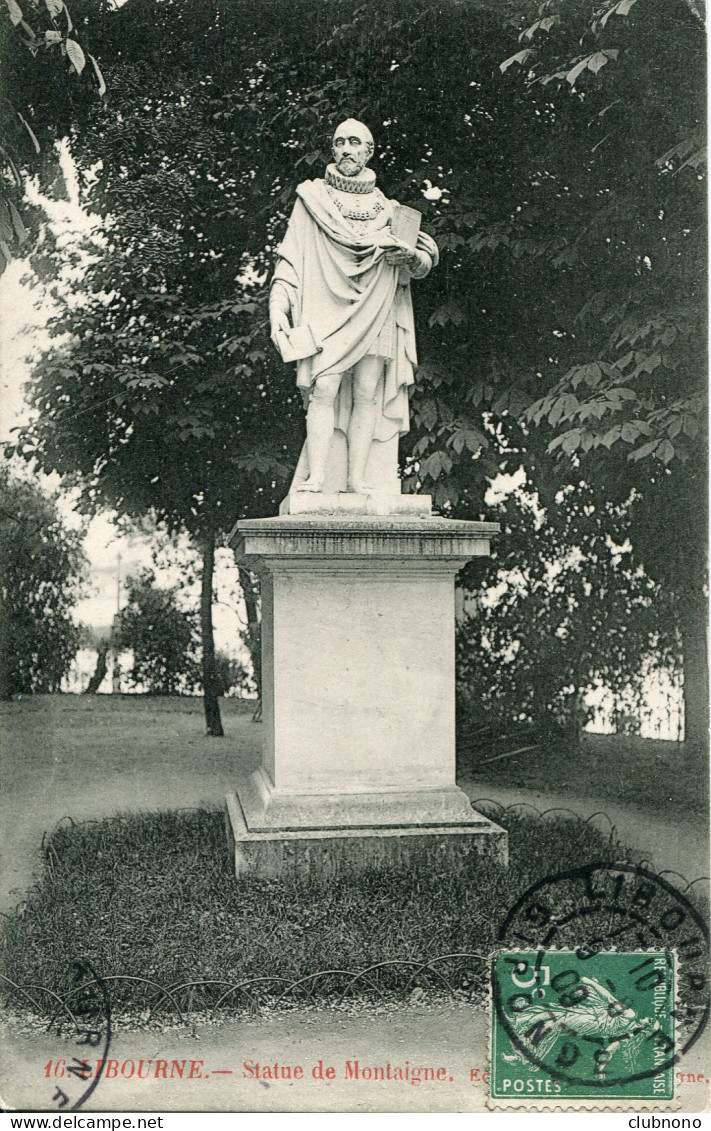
[[76, 1077], [600, 982]]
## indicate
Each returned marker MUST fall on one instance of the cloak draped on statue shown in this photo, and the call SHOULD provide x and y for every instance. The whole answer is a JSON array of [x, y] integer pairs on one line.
[[339, 284]]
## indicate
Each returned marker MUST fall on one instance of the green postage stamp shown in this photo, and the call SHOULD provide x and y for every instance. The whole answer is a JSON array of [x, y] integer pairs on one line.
[[579, 1025]]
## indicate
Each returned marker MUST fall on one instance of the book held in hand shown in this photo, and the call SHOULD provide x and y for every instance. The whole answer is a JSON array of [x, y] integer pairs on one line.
[[405, 224], [297, 343]]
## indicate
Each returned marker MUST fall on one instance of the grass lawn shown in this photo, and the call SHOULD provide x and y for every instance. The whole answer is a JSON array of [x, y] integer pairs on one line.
[[102, 738], [644, 772], [95, 736], [153, 896]]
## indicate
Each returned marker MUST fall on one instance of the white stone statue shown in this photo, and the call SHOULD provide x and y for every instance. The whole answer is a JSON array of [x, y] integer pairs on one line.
[[340, 306]]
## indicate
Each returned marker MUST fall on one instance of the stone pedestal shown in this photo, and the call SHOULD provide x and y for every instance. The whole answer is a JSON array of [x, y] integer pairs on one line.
[[358, 691]]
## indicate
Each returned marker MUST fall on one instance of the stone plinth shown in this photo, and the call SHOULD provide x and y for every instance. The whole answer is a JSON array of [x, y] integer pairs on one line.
[[349, 503], [358, 693], [324, 854]]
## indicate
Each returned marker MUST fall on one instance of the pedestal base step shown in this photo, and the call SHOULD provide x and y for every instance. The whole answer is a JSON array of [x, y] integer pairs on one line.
[[323, 854], [268, 810]]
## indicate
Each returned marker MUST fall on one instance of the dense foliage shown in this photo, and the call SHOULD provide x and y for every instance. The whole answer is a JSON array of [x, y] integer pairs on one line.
[[563, 328], [161, 635], [43, 61], [232, 675], [41, 571], [565, 610], [637, 383], [558, 260]]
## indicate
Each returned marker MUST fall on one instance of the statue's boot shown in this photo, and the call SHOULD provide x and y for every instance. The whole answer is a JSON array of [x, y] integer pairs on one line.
[[319, 433], [360, 436]]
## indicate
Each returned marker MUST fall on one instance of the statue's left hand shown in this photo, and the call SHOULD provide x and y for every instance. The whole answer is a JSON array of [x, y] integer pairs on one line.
[[399, 254], [400, 257]]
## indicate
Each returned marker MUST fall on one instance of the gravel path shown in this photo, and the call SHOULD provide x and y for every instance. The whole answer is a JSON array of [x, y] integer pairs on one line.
[[452, 1037]]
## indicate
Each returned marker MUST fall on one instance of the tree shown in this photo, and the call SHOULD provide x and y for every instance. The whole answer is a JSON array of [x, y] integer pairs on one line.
[[42, 62], [161, 636], [231, 674], [165, 394], [99, 673], [639, 331], [162, 422], [167, 421], [210, 679], [567, 610], [41, 574], [629, 407], [99, 641], [252, 634]]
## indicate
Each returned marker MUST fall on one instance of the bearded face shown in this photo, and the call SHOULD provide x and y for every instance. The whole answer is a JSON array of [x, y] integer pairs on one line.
[[352, 148]]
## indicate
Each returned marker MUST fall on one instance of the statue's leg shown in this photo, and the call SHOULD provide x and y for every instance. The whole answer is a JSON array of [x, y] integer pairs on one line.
[[319, 429], [366, 376]]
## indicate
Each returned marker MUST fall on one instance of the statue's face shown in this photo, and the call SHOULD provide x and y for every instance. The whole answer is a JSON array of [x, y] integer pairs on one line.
[[352, 148]]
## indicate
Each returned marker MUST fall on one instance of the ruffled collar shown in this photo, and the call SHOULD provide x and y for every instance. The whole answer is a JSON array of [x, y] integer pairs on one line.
[[364, 182]]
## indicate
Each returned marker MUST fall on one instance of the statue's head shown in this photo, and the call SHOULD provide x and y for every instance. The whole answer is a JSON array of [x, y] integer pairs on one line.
[[352, 147]]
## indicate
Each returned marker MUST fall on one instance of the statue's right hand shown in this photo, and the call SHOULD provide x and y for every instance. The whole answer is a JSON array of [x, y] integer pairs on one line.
[[279, 325]]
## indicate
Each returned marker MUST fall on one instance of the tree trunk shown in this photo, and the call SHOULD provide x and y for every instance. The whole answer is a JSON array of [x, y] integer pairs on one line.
[[253, 636], [210, 688], [99, 671], [693, 619]]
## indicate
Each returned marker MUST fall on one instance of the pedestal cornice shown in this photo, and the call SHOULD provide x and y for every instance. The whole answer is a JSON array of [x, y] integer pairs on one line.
[[293, 537]]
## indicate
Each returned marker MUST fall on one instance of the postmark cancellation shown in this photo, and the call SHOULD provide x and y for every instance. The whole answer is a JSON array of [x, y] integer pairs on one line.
[[574, 1025]]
